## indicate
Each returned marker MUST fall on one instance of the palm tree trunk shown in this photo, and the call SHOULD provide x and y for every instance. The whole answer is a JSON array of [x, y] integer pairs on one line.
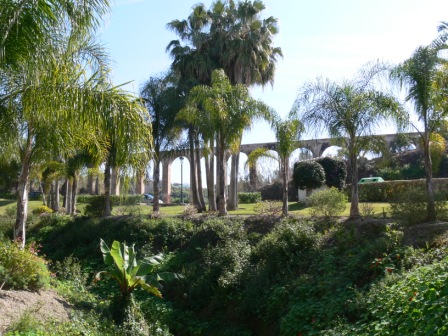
[[68, 197], [431, 207], [44, 191], [193, 171], [74, 193], [64, 202], [22, 192], [107, 178], [209, 172], [285, 170], [233, 190], [222, 209], [199, 176], [57, 200], [90, 179], [354, 206], [156, 180]]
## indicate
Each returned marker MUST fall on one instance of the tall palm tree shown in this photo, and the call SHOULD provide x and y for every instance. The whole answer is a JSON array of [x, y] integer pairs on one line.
[[232, 37], [160, 96], [26, 25], [419, 75], [49, 97], [287, 133], [351, 111], [227, 107]]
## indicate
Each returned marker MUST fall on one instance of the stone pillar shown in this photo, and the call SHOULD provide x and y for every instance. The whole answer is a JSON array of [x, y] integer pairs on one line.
[[115, 181], [166, 180]]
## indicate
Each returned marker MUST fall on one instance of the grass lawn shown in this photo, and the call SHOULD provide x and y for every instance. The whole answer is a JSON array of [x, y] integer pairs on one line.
[[243, 209]]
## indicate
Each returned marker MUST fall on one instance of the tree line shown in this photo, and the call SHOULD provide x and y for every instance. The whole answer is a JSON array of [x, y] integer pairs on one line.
[[60, 111]]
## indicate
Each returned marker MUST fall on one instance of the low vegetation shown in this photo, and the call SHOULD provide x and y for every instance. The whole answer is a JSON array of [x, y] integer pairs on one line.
[[260, 275]]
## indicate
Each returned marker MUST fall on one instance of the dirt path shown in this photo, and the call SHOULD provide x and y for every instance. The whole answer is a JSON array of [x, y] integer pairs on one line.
[[43, 305]]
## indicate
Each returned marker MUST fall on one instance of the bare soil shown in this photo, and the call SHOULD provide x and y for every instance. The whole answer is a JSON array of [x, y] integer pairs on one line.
[[44, 305]]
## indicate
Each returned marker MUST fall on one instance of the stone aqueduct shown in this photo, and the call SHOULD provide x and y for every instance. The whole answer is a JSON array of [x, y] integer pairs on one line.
[[316, 146]]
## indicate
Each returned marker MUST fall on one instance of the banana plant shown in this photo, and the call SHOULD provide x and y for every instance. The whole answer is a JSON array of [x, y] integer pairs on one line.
[[130, 273]]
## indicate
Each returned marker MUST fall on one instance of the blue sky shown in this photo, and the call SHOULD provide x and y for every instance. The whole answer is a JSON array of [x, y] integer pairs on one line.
[[326, 38]]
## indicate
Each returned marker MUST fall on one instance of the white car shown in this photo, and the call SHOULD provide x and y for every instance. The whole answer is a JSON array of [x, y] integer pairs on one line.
[[150, 198]]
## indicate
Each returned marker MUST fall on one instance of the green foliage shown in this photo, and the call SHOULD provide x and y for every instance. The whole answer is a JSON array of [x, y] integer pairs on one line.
[[335, 171], [249, 197], [22, 268], [272, 192], [130, 273], [410, 304], [387, 191], [42, 210], [308, 175], [288, 245], [115, 199], [409, 205], [284, 276], [95, 206], [268, 208], [327, 203]]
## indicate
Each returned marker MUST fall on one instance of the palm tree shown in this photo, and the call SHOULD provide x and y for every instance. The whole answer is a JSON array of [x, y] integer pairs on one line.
[[350, 111], [160, 96], [419, 76], [228, 36], [48, 98], [26, 25], [228, 108], [287, 133]]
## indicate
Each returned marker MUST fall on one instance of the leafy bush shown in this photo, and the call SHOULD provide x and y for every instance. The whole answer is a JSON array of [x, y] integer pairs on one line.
[[410, 205], [327, 203], [249, 197], [288, 242], [22, 269], [335, 171], [272, 192], [411, 304], [95, 206], [115, 199], [308, 175], [387, 191], [41, 210]]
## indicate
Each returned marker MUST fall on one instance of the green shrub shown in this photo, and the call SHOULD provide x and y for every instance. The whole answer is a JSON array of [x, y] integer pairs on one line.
[[115, 199], [272, 192], [409, 206], [335, 171], [327, 203], [249, 197], [41, 210], [412, 304], [387, 191], [308, 175], [286, 246], [22, 268], [95, 206]]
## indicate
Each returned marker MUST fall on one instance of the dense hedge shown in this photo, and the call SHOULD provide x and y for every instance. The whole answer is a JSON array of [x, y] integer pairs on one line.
[[249, 197], [115, 199], [388, 191]]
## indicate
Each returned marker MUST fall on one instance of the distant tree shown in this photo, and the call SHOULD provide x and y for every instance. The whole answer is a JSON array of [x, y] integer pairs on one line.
[[335, 172], [287, 133], [308, 175], [160, 96], [418, 75], [350, 111]]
